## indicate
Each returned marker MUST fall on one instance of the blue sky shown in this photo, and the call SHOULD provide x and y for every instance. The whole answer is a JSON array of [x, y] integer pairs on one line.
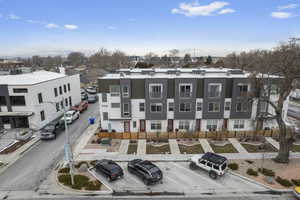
[[139, 26]]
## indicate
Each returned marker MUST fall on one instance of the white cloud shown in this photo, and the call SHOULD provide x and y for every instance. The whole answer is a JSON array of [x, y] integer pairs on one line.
[[51, 26], [226, 11], [1, 15], [289, 6], [111, 28], [195, 9], [71, 26], [281, 15], [12, 16]]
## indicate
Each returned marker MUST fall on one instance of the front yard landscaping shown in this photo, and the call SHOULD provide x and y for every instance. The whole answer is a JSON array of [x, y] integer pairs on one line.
[[158, 148], [193, 149], [15, 146], [259, 147], [296, 148], [132, 149], [83, 180], [223, 146], [275, 175]]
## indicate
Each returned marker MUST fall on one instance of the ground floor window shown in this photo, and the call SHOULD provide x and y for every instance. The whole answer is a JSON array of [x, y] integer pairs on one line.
[[42, 113], [212, 125], [184, 125], [105, 115], [134, 124], [155, 125], [239, 124]]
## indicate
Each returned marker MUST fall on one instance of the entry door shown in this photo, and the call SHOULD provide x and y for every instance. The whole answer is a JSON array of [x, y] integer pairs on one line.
[[198, 124], [225, 124], [142, 125], [126, 126], [170, 125]]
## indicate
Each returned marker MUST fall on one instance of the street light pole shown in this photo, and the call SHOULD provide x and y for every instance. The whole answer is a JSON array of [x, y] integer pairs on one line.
[[68, 146]]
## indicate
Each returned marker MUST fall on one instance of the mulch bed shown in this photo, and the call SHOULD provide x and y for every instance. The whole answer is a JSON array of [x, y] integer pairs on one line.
[[132, 149], [258, 148], [163, 149], [15, 146], [227, 148], [191, 149]]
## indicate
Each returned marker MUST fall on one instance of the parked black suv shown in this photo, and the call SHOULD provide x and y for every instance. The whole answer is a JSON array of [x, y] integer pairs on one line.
[[145, 170], [51, 130], [109, 168]]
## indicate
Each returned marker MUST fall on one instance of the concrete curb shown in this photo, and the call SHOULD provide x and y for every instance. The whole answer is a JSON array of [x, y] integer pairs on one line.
[[19, 155], [83, 191], [109, 188], [258, 183]]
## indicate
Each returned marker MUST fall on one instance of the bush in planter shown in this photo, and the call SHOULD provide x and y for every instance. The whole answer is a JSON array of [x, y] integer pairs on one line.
[[64, 170], [65, 179], [296, 182], [233, 166], [252, 172], [283, 182], [267, 172], [93, 185]]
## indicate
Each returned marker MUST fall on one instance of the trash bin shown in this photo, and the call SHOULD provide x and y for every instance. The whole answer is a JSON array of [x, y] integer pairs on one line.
[[92, 120]]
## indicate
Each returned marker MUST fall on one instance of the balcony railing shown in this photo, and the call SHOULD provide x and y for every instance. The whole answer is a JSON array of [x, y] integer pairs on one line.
[[155, 95], [185, 94]]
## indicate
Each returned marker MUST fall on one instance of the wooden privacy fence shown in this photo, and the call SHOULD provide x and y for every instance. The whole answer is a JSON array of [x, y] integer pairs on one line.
[[181, 135]]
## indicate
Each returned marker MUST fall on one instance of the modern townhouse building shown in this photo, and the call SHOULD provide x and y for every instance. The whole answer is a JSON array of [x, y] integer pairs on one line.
[[32, 100], [161, 100]]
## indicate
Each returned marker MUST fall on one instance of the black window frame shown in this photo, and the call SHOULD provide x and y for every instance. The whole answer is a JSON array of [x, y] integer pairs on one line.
[[42, 114], [142, 107], [2, 101], [40, 98], [60, 90], [13, 101], [65, 88], [20, 90], [69, 87]]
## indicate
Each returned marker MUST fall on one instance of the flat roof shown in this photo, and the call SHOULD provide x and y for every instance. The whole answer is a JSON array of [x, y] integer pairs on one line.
[[201, 72], [30, 78]]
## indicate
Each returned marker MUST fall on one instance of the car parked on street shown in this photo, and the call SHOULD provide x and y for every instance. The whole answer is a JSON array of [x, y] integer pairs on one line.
[[145, 170], [81, 107], [109, 168], [92, 98], [215, 164], [71, 116], [51, 131], [91, 90]]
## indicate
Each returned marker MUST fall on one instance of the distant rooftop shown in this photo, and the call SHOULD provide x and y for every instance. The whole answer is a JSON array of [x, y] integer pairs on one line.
[[200, 72], [30, 78]]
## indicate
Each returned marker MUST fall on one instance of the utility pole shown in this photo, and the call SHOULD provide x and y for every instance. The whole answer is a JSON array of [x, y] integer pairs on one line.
[[68, 150]]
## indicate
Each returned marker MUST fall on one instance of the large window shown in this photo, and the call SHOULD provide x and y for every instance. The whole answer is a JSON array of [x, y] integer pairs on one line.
[[155, 125], [69, 87], [70, 100], [213, 107], [17, 100], [125, 91], [184, 125], [239, 124], [241, 107], [227, 105], [212, 125], [40, 97], [142, 107], [114, 90], [214, 90], [155, 91], [185, 107], [104, 97], [60, 90], [199, 106], [42, 113], [115, 105], [20, 90], [126, 109], [105, 115], [57, 107], [65, 89], [2, 101], [156, 107], [171, 106], [185, 90], [66, 102], [242, 89], [55, 92]]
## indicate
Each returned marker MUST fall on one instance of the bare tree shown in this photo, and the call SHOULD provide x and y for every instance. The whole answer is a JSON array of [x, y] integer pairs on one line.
[[76, 58]]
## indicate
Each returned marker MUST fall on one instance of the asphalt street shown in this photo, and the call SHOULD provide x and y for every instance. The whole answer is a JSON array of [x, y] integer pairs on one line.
[[29, 171]]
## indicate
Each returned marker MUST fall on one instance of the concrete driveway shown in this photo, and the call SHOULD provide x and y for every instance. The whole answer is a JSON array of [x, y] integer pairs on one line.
[[179, 178]]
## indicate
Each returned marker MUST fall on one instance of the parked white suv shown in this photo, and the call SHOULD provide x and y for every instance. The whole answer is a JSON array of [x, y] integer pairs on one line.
[[71, 116], [215, 164]]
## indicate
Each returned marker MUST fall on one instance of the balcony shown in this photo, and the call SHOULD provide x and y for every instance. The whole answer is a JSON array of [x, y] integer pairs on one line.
[[185, 94]]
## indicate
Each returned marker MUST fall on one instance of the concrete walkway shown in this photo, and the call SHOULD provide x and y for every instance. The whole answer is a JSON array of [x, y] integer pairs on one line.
[[174, 146], [141, 149], [205, 145], [237, 145], [124, 147], [273, 142]]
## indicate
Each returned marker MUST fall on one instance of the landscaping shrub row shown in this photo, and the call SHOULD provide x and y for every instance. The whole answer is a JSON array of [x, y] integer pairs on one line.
[[80, 182], [233, 166]]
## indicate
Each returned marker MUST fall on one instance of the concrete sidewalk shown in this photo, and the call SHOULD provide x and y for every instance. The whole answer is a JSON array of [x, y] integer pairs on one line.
[[237, 145], [205, 145], [174, 146], [273, 142], [124, 147], [141, 149]]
